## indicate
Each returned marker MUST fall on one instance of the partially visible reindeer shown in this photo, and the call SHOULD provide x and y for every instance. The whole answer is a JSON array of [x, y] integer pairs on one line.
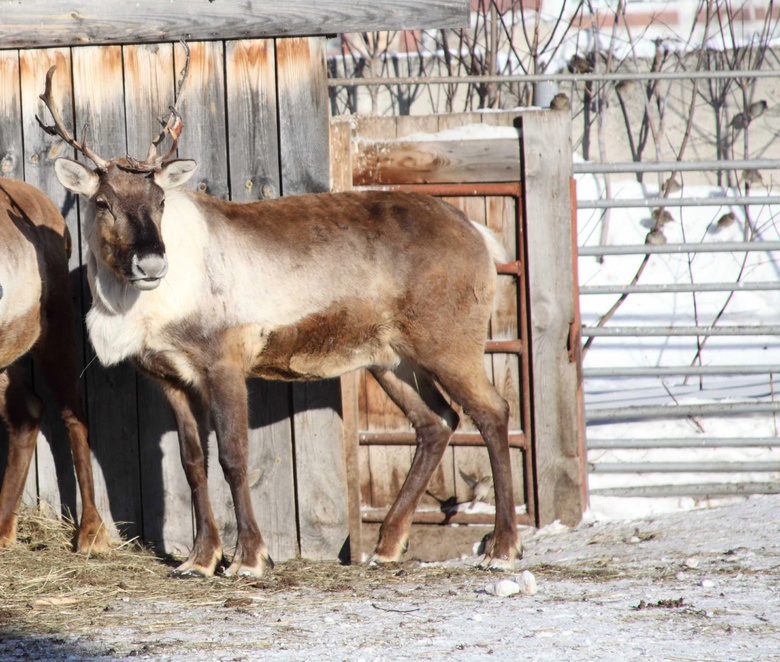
[[36, 314], [298, 288]]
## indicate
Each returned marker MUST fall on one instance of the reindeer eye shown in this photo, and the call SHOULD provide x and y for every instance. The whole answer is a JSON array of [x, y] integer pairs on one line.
[[162, 204], [101, 204]]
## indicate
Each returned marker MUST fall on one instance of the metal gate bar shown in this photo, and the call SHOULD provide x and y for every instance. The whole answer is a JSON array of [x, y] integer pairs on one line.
[[675, 166], [681, 467], [682, 287], [641, 249], [732, 330], [635, 412], [692, 442]]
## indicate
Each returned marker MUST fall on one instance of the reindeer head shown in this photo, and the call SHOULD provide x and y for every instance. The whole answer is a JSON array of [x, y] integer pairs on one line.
[[127, 196]]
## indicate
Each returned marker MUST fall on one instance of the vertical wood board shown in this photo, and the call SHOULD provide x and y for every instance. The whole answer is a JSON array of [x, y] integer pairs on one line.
[[56, 477], [149, 89], [111, 403], [254, 174], [546, 164], [204, 139], [304, 148], [253, 142], [11, 150], [12, 166]]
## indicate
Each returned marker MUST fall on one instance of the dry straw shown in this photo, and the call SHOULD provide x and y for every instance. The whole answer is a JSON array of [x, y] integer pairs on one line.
[[46, 588]]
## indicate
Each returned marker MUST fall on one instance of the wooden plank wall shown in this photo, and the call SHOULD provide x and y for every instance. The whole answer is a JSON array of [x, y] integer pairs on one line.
[[256, 120]]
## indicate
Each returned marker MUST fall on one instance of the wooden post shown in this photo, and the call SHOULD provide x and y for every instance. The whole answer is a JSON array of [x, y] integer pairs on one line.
[[546, 171], [341, 180]]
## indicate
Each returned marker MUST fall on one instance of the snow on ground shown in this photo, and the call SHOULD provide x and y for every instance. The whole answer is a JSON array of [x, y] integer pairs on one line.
[[699, 585], [691, 224]]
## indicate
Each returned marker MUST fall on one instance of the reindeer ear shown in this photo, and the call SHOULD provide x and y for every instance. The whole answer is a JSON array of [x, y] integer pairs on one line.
[[76, 177], [175, 173]]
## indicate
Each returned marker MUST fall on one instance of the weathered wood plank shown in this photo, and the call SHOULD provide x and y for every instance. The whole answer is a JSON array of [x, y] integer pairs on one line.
[[341, 180], [112, 406], [11, 148], [56, 478], [11, 165], [304, 149], [254, 173], [489, 158], [203, 110], [546, 159], [167, 521], [205, 141], [37, 23], [323, 515], [271, 466], [251, 105], [349, 405], [303, 115]]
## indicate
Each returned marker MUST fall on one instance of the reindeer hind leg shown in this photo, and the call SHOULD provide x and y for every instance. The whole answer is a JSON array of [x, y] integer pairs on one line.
[[465, 381], [22, 412], [434, 421]]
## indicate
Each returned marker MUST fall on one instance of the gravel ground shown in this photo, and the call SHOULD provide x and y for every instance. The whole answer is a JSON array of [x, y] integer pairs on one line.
[[700, 585]]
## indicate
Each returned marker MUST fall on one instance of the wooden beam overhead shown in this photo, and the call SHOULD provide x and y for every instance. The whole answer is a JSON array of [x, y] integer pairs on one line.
[[45, 23]]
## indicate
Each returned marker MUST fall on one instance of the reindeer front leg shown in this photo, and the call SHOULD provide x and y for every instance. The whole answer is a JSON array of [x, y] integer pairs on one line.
[[192, 422], [229, 413]]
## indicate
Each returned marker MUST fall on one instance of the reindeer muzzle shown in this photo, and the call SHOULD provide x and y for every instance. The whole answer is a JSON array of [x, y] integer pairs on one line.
[[147, 271]]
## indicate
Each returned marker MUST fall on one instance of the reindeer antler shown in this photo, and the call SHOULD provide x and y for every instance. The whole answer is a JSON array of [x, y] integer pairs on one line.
[[172, 124], [58, 128]]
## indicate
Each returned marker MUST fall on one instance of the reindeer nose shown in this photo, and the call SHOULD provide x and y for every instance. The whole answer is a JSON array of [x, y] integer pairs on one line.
[[148, 270]]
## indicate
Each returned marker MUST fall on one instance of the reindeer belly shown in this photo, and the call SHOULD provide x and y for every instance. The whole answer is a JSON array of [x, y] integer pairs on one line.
[[20, 305], [325, 344], [18, 335]]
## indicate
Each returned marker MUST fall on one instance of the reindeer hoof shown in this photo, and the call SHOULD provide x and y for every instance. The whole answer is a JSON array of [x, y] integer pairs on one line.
[[497, 564], [500, 556], [93, 543], [388, 552], [186, 571], [194, 567], [240, 569]]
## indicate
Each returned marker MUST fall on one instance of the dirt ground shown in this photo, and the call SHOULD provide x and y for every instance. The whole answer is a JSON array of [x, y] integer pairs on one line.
[[700, 585]]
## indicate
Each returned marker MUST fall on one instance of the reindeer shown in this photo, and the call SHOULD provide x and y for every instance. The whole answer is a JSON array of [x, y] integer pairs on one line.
[[36, 316], [298, 288]]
